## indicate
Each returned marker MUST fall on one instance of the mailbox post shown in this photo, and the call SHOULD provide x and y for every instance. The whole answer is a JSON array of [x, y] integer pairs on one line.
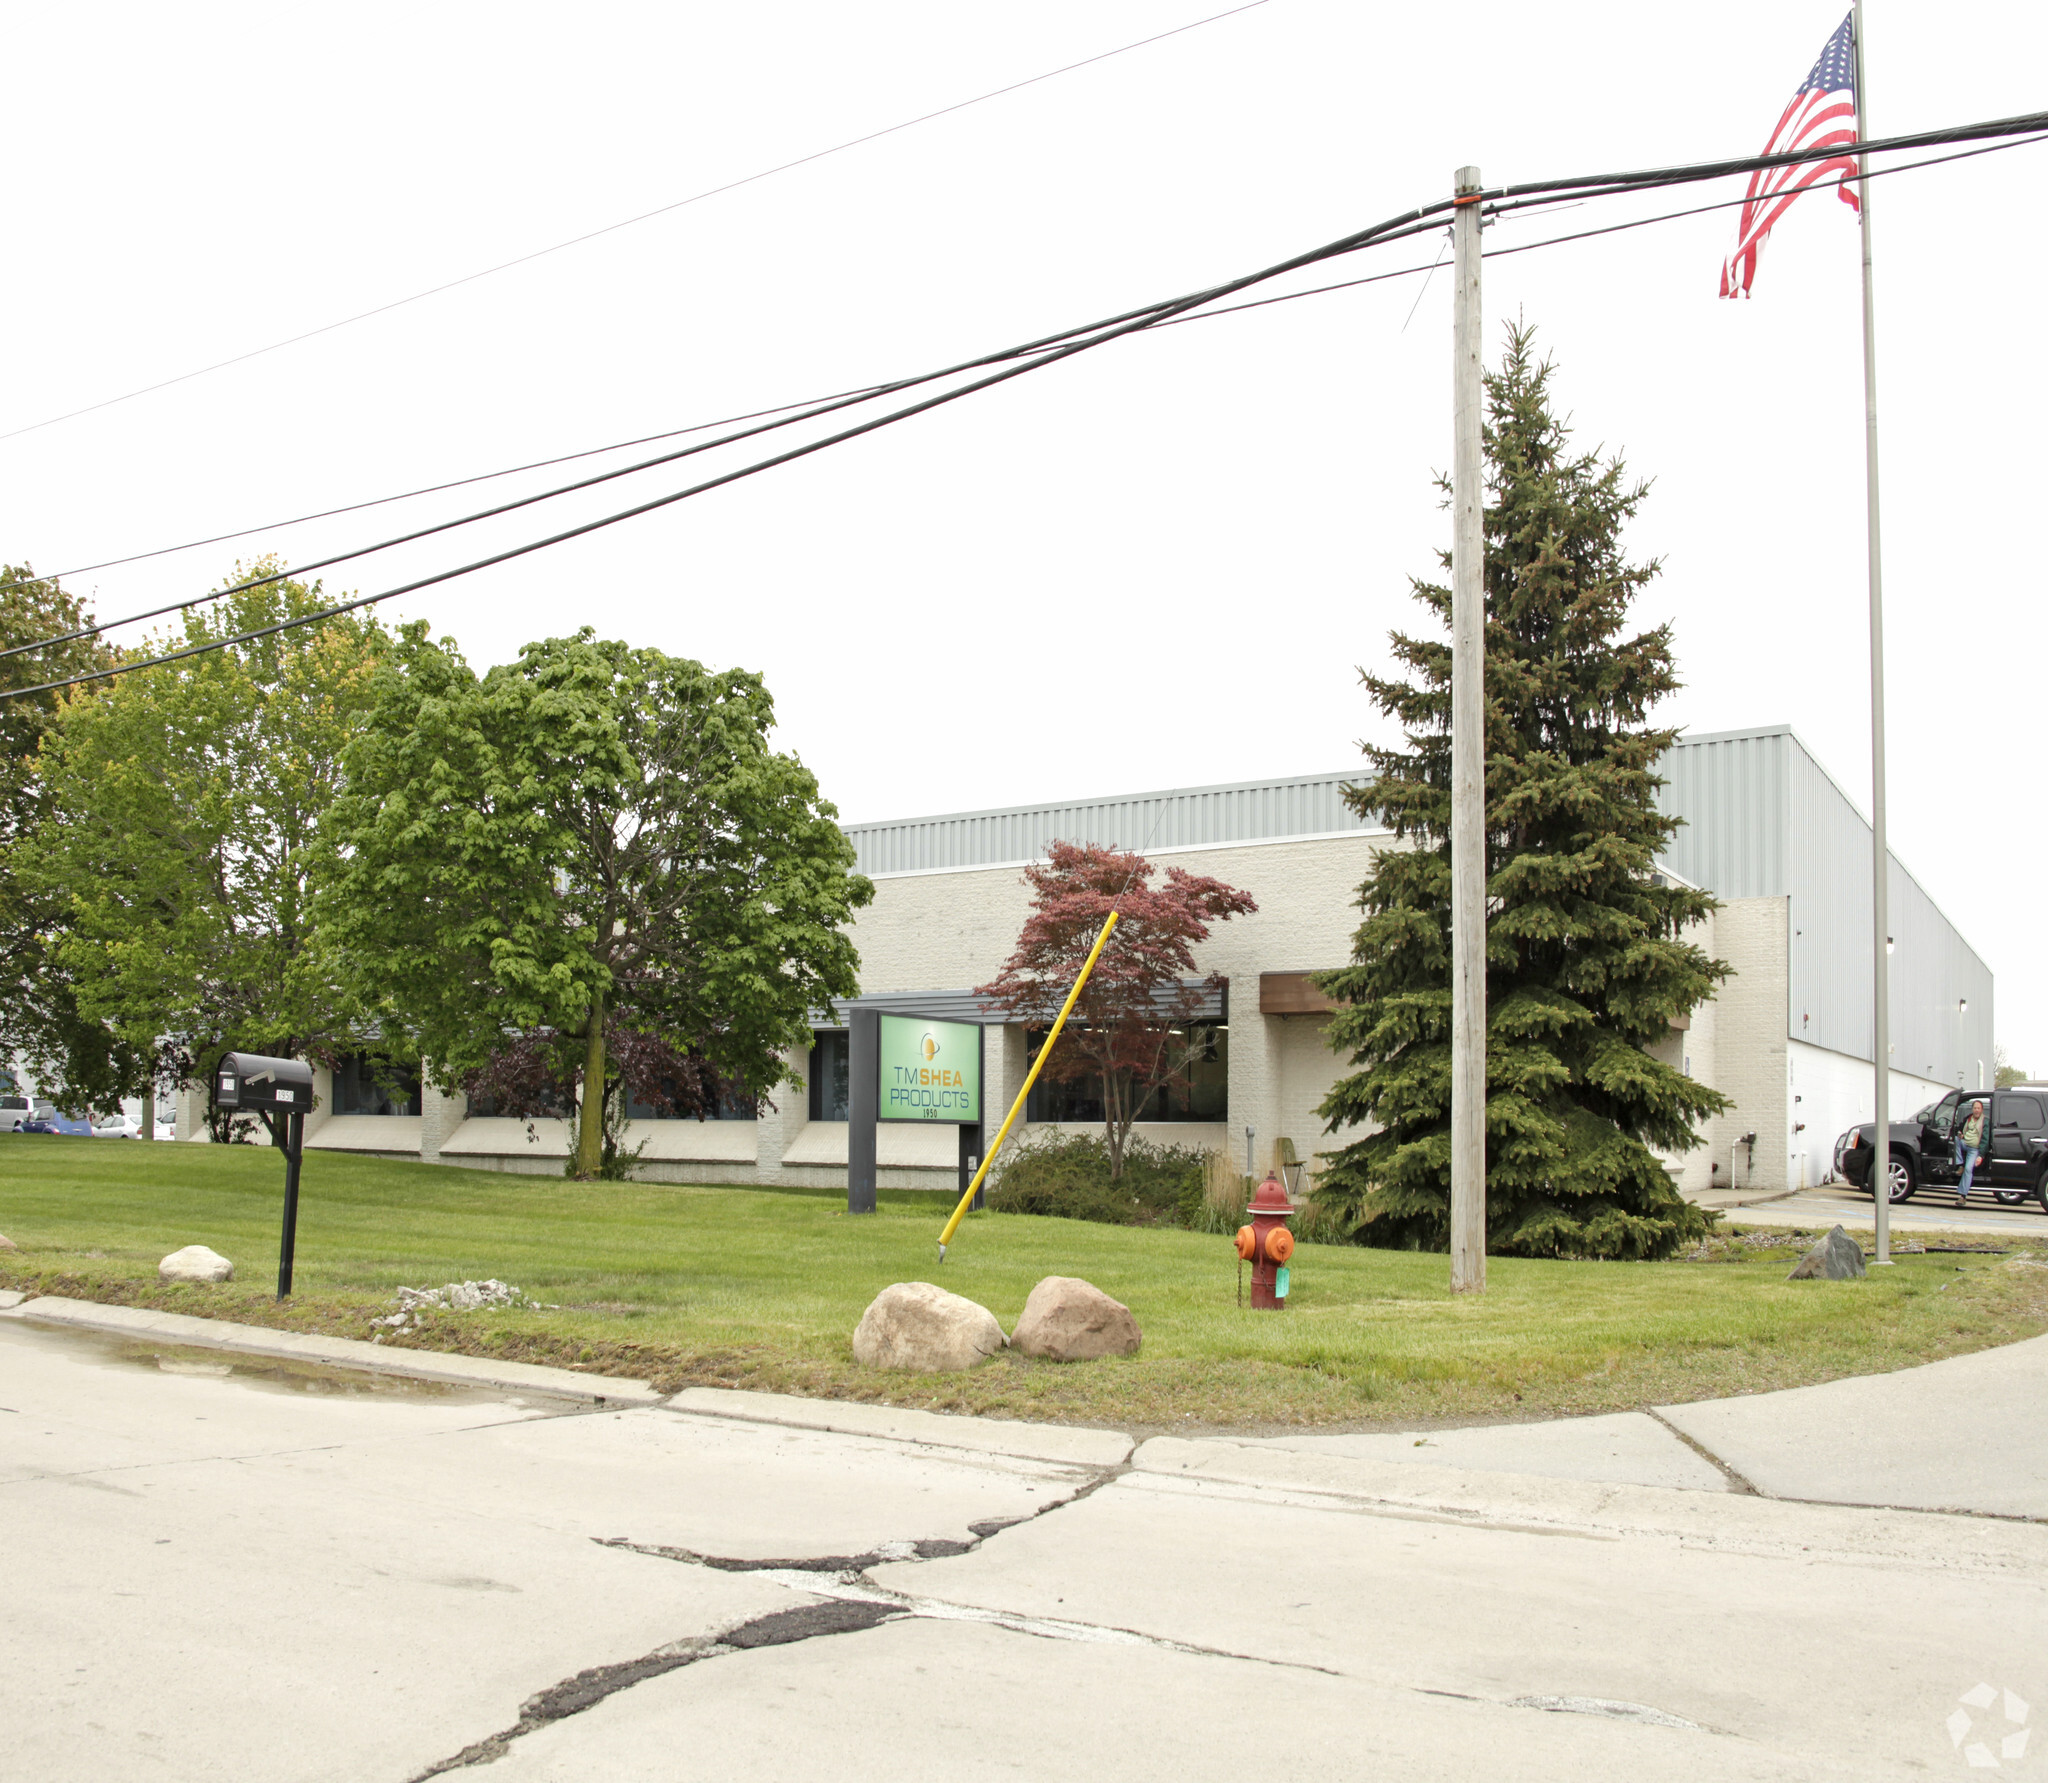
[[281, 1091]]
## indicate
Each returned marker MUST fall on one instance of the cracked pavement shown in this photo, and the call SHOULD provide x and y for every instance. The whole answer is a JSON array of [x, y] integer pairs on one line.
[[215, 1573]]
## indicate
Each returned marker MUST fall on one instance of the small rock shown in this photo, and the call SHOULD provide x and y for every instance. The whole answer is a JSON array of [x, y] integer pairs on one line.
[[8, 1244], [195, 1263], [918, 1326], [1069, 1320], [1837, 1258]]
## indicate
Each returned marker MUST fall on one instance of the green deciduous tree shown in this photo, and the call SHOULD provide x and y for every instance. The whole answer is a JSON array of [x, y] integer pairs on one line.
[[590, 836], [76, 1059], [186, 802], [1587, 964]]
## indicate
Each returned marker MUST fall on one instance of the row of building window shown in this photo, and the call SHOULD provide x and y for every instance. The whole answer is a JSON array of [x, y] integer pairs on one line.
[[363, 1085], [1201, 1097]]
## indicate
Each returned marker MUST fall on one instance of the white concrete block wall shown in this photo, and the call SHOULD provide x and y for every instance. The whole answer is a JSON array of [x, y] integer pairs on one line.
[[189, 1104], [1309, 1070], [785, 1112], [441, 1112], [1753, 935]]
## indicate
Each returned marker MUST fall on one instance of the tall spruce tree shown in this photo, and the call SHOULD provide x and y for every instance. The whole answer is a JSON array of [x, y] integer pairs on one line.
[[1587, 964]]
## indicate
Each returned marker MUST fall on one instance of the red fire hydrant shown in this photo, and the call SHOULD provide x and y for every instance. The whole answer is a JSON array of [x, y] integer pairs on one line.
[[1266, 1244]]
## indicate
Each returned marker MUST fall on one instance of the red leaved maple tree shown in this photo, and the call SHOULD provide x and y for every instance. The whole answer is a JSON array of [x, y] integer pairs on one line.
[[1129, 1028]]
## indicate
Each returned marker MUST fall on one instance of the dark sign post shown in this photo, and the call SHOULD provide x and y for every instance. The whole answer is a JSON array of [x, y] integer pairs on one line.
[[863, 1079], [903, 1068], [281, 1091]]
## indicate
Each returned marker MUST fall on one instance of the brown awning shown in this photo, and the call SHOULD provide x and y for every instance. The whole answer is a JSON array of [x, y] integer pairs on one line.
[[1291, 993]]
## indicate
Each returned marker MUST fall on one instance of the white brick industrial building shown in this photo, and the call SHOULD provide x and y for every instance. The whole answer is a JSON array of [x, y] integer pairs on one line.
[[1788, 1037]]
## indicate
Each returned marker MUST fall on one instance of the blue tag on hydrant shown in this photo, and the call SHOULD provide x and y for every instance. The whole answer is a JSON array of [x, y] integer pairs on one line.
[[1280, 1283]]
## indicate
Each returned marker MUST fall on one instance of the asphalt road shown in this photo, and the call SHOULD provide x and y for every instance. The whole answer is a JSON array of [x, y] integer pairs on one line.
[[215, 1568]]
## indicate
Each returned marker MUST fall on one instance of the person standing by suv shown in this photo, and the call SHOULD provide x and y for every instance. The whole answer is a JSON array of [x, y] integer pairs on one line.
[[1969, 1146]]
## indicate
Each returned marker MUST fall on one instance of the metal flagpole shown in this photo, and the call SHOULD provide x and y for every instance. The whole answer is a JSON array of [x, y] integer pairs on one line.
[[1468, 764], [1880, 853]]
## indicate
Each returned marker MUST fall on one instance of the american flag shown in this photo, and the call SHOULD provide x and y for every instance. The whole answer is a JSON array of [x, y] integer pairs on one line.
[[1822, 115]]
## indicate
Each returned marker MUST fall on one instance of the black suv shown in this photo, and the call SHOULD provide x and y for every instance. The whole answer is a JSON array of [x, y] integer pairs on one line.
[[2013, 1165]]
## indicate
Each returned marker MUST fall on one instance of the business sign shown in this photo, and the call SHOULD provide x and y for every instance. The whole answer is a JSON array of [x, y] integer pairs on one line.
[[931, 1071]]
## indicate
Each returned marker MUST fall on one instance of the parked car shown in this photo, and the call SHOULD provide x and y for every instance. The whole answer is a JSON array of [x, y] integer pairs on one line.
[[48, 1119], [15, 1113], [116, 1126], [2013, 1166]]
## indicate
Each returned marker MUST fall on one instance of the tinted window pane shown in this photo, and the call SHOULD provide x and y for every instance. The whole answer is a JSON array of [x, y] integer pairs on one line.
[[2024, 1112], [829, 1078], [731, 1105], [1203, 1050], [364, 1085]]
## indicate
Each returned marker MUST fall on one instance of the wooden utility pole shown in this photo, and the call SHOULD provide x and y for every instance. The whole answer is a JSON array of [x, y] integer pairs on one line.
[[1468, 763]]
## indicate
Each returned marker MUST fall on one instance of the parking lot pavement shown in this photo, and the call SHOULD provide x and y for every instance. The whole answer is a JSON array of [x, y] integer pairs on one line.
[[1931, 1214]]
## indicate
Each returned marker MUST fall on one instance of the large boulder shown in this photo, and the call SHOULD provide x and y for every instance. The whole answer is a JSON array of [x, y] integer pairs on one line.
[[195, 1263], [915, 1325], [1837, 1258], [1069, 1320]]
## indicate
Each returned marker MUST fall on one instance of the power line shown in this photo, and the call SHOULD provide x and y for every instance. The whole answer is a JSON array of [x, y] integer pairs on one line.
[[1131, 322], [2034, 126], [628, 222], [380, 501], [879, 389], [1501, 199], [802, 412], [1551, 241]]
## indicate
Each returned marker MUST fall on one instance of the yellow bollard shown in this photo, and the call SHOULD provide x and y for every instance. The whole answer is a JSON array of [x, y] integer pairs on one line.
[[1031, 1077]]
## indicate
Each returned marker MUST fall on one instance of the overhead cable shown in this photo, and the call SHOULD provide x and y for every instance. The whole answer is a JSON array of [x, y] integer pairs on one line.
[[628, 222], [786, 418], [1130, 322], [1493, 210]]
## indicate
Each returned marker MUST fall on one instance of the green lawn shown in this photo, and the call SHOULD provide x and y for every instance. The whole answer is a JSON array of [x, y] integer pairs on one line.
[[748, 1287]]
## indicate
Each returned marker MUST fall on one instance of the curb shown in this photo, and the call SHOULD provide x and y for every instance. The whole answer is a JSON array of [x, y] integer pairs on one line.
[[333, 1352]]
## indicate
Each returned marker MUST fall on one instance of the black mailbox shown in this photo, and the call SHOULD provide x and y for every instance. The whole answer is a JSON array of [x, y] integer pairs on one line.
[[252, 1084], [280, 1091]]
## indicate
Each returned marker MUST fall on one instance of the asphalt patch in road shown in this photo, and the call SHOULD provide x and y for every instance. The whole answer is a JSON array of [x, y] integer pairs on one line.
[[586, 1689]]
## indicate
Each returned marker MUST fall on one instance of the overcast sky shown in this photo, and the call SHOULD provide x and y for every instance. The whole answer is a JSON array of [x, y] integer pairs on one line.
[[1158, 565]]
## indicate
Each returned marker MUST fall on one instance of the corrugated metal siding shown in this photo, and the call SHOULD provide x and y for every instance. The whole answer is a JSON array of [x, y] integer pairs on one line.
[[1765, 820], [1828, 877], [1730, 790], [1191, 817]]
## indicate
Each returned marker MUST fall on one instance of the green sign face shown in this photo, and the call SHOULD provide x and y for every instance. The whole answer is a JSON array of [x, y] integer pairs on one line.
[[931, 1071]]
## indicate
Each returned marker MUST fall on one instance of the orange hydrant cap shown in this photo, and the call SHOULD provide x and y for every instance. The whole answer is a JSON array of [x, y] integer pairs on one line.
[[1247, 1243], [1279, 1245]]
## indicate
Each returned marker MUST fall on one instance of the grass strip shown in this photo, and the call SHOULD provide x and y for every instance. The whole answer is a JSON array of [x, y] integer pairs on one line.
[[745, 1287]]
